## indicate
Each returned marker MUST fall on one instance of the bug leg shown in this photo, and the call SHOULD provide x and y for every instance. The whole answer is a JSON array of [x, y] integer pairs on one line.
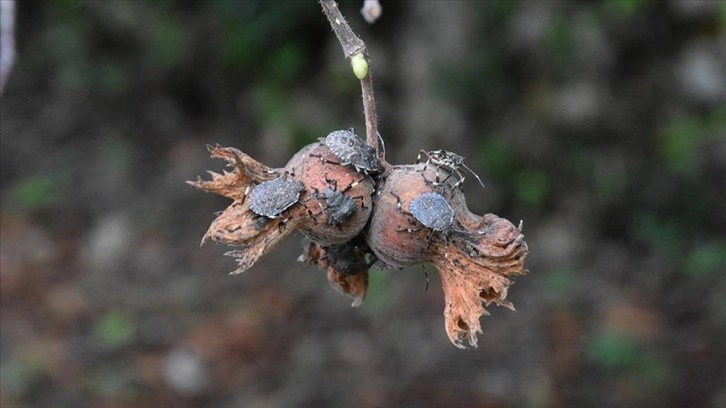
[[418, 158], [333, 182], [383, 146], [281, 226], [460, 182], [361, 204], [351, 185], [314, 195], [446, 178], [324, 160], [304, 203], [429, 182], [428, 160], [401, 229], [310, 213], [445, 234], [247, 191], [438, 179], [423, 268], [399, 205]]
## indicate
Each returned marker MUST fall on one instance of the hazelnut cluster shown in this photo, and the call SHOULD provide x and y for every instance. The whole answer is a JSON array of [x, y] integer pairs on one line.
[[356, 210]]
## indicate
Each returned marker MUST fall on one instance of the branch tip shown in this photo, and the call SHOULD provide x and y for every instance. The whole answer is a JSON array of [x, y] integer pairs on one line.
[[355, 49]]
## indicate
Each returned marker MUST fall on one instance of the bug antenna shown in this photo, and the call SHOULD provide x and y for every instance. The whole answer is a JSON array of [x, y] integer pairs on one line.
[[383, 146], [474, 174]]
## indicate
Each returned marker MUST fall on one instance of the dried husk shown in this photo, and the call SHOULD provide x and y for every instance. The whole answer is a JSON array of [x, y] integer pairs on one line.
[[475, 260]]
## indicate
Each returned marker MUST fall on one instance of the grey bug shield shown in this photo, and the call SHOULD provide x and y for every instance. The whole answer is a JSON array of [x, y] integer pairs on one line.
[[433, 211], [340, 205], [271, 198], [354, 151]]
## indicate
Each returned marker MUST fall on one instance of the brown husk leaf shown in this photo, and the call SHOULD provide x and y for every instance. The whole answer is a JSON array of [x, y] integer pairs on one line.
[[474, 274], [237, 225]]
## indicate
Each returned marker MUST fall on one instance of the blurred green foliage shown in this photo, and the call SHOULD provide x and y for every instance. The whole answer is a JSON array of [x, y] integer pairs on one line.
[[561, 282], [378, 296], [559, 41], [117, 154], [285, 64], [614, 350], [17, 376], [533, 187], [115, 329], [665, 235], [618, 353], [682, 140], [654, 372], [497, 158], [166, 48], [36, 191], [706, 259], [113, 381], [272, 104], [625, 7]]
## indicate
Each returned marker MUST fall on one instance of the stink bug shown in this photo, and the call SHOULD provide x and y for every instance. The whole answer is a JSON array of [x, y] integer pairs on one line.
[[354, 151], [448, 161], [271, 198]]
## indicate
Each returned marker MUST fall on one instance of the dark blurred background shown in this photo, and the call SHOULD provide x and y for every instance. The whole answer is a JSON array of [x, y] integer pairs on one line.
[[602, 125]]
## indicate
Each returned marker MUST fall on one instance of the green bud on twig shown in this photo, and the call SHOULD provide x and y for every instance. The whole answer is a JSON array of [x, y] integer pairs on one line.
[[360, 66]]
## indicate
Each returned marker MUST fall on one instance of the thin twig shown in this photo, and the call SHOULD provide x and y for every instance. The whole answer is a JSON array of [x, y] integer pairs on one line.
[[353, 46], [351, 43], [7, 40], [369, 111]]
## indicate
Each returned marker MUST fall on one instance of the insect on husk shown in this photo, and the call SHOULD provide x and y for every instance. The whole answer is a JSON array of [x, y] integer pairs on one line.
[[448, 161], [432, 211], [270, 198], [339, 205], [354, 151]]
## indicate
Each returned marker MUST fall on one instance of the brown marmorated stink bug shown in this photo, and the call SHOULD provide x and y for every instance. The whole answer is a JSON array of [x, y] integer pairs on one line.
[[339, 205], [354, 151], [271, 198], [432, 211]]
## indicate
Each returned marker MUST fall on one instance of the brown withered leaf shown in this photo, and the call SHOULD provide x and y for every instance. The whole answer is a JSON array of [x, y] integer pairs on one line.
[[237, 225], [234, 184], [354, 286], [475, 272], [259, 244]]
